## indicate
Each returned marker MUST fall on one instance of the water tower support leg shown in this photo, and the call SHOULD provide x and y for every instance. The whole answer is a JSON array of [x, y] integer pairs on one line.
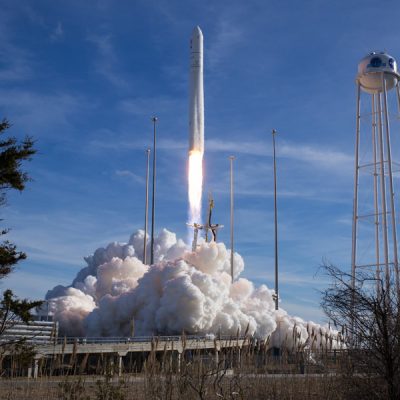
[[391, 190], [376, 206], [383, 193], [398, 96]]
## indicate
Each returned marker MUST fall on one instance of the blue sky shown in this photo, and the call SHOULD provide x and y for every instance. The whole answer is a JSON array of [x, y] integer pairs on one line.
[[84, 78]]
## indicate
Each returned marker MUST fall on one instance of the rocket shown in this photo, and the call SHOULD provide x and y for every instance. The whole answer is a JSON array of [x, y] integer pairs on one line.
[[196, 93]]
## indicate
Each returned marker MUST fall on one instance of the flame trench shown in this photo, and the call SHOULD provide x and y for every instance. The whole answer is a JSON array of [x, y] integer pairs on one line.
[[195, 187]]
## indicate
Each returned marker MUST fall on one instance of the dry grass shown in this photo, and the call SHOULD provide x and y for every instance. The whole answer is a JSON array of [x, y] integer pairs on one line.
[[252, 372], [210, 387]]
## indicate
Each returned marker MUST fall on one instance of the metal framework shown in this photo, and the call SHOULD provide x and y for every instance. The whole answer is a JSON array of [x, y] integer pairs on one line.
[[384, 213], [231, 159], [276, 297], [146, 207], [153, 198]]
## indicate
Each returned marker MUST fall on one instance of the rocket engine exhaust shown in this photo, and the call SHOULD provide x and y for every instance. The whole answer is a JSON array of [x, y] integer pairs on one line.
[[195, 185], [196, 126]]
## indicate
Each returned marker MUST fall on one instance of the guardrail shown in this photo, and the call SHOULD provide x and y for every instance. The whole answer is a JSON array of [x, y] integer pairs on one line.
[[44, 337], [47, 340], [139, 339]]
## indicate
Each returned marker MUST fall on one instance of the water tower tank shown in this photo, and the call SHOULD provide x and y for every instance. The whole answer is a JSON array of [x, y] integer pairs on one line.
[[370, 70]]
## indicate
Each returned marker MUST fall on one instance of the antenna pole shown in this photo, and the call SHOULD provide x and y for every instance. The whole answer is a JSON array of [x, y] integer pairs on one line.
[[355, 198], [276, 227], [355, 209], [231, 158], [146, 212], [154, 119]]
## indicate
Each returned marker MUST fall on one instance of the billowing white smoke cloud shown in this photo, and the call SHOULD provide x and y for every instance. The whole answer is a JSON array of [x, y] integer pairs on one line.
[[116, 295]]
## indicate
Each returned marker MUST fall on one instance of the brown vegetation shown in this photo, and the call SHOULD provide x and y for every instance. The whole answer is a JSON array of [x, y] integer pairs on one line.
[[252, 372]]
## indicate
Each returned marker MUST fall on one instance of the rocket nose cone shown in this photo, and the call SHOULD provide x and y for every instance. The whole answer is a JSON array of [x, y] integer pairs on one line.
[[197, 31]]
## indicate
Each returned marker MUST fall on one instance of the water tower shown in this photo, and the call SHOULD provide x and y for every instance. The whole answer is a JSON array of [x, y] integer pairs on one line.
[[377, 82]]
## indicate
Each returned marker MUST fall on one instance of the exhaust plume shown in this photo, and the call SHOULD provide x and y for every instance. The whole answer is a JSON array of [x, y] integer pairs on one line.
[[195, 186], [183, 291]]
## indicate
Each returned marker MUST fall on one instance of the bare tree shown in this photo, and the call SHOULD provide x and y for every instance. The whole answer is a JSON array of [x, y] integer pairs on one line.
[[368, 314]]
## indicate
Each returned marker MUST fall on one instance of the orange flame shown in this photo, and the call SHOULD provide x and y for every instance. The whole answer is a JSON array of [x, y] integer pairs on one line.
[[195, 178]]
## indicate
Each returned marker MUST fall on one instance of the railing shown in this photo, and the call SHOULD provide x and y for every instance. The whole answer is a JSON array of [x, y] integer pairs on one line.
[[139, 339], [46, 333]]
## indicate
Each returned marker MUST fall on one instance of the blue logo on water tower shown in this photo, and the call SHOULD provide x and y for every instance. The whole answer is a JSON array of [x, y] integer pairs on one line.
[[375, 62]]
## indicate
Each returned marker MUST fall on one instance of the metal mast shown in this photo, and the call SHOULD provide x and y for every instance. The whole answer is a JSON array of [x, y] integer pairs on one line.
[[154, 119], [146, 212], [355, 198], [276, 226], [231, 159]]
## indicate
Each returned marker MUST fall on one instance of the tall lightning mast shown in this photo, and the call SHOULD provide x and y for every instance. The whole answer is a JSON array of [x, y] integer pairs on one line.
[[146, 207], [276, 297], [153, 198], [231, 159]]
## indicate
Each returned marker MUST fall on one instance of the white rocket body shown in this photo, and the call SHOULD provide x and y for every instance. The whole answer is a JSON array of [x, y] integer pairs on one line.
[[196, 93]]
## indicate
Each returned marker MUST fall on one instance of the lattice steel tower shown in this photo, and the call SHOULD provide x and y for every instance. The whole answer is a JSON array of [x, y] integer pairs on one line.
[[377, 80]]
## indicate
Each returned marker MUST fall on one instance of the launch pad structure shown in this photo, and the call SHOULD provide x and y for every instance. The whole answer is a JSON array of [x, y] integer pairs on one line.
[[64, 351], [207, 227]]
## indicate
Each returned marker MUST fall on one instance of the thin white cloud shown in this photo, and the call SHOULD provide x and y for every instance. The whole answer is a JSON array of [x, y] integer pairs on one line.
[[156, 105], [314, 155], [33, 14], [130, 175], [317, 156], [237, 147], [308, 154], [29, 284], [301, 280], [308, 311], [227, 37], [260, 192], [107, 62], [62, 238], [16, 62], [162, 144], [36, 112], [57, 33], [48, 239]]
